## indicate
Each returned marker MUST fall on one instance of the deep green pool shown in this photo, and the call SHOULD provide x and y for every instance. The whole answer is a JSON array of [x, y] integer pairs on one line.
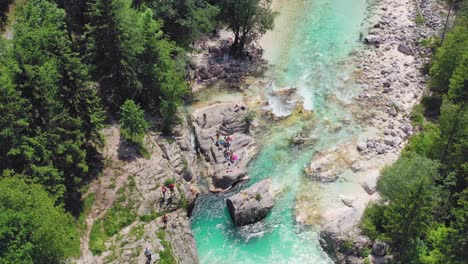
[[321, 36]]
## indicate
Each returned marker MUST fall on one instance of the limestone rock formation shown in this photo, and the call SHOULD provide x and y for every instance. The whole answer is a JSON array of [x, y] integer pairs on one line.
[[252, 204], [227, 120]]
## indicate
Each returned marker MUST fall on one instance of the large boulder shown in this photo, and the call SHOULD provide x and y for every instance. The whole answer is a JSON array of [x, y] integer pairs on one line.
[[405, 49], [373, 39], [379, 248], [227, 120], [252, 204]]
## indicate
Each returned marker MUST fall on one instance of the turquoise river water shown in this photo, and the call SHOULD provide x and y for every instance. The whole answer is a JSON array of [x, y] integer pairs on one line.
[[314, 40]]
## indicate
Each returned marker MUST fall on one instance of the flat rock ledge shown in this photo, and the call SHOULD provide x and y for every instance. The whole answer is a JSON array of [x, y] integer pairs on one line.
[[227, 120], [252, 204]]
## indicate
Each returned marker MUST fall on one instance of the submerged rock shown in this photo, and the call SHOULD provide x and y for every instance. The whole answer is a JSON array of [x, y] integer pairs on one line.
[[252, 204]]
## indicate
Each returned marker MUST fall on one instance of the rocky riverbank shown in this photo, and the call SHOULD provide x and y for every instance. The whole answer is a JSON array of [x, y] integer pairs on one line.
[[392, 83]]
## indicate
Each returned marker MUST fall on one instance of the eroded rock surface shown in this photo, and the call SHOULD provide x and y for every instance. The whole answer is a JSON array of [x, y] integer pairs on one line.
[[227, 120], [252, 204]]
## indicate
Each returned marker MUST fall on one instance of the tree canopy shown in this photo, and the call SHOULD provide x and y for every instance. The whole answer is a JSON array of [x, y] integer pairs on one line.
[[32, 229], [424, 207], [247, 19]]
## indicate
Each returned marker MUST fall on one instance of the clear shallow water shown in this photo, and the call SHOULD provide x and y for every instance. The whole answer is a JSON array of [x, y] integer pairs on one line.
[[319, 40]]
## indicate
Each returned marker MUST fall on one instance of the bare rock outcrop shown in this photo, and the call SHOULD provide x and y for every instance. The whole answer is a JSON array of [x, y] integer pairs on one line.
[[227, 119]]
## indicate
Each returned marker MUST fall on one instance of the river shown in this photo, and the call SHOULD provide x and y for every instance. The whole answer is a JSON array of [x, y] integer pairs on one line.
[[310, 49]]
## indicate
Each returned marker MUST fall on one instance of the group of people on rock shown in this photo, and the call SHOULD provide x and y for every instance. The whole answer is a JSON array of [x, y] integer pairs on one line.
[[225, 142], [171, 187]]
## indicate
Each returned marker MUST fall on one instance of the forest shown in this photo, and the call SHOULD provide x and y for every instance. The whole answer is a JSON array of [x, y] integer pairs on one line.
[[72, 67]]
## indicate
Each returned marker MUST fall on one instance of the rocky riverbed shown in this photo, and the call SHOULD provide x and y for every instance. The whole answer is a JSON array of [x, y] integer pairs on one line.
[[392, 83]]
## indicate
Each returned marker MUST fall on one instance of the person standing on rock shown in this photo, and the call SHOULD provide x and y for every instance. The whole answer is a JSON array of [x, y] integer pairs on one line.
[[204, 120], [217, 138], [171, 188], [164, 219], [164, 189], [148, 255]]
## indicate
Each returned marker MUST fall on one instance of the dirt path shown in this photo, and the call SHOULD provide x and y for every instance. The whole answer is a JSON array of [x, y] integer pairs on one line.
[[105, 187]]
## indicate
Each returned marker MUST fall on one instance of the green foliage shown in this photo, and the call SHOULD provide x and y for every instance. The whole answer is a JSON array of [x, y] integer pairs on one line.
[[407, 173], [373, 221], [166, 256], [32, 229], [185, 21], [366, 252], [168, 181], [115, 219], [87, 205], [97, 238], [246, 19], [132, 59], [417, 115], [419, 19], [112, 50], [450, 58], [49, 113], [408, 216], [249, 117], [423, 143], [347, 245], [258, 197], [132, 121]]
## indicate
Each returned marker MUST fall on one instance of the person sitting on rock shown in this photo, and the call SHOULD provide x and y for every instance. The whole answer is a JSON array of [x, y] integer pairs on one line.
[[221, 142], [226, 143], [227, 154], [233, 157]]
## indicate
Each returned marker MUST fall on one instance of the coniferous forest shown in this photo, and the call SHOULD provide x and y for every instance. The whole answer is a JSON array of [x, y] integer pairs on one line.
[[74, 66]]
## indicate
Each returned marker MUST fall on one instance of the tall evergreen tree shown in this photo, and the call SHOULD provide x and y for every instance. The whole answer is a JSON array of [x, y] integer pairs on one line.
[[409, 213], [62, 113], [111, 50], [184, 20], [161, 70]]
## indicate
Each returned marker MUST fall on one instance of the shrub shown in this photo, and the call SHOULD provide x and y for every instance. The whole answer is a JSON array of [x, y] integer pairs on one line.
[[258, 197], [166, 256], [249, 117], [373, 220], [167, 182]]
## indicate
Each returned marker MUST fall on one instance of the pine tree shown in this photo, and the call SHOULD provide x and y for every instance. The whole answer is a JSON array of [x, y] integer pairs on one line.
[[133, 122], [409, 213], [61, 113], [150, 35], [111, 50], [185, 20]]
